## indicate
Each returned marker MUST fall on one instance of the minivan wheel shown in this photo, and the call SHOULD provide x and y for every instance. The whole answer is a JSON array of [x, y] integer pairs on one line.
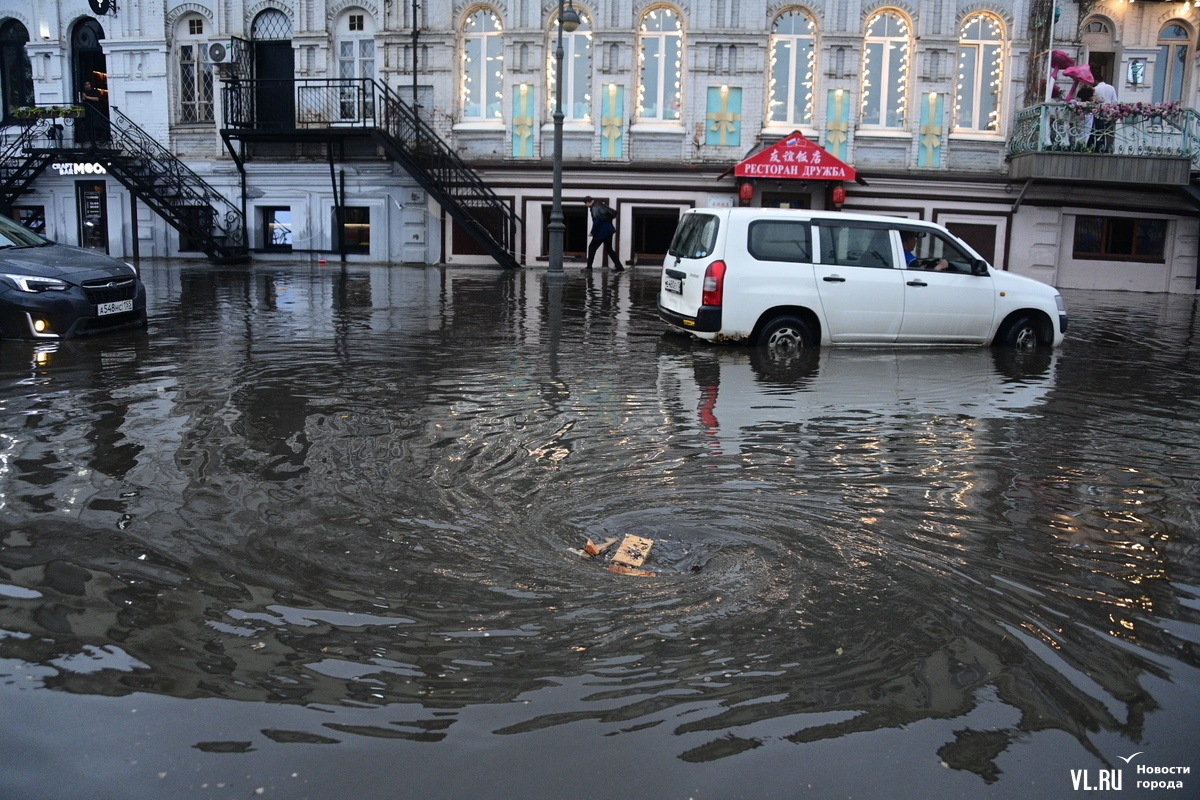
[[1022, 334], [784, 335]]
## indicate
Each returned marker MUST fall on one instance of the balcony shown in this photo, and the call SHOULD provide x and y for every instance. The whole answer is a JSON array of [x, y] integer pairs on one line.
[[1151, 145]]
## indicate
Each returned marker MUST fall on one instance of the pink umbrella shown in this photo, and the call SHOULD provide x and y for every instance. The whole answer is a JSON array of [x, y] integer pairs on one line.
[[1079, 74]]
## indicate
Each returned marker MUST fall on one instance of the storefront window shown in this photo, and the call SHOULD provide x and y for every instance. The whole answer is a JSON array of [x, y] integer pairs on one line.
[[356, 229], [277, 228], [31, 217], [1120, 239]]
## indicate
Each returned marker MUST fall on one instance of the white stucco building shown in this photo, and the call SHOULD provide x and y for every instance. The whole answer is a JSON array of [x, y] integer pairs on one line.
[[297, 115]]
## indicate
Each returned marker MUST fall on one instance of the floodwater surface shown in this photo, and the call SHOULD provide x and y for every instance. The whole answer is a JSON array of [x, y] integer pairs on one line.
[[317, 533]]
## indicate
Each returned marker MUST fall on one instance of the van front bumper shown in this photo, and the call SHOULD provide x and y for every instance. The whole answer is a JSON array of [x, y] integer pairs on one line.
[[707, 319]]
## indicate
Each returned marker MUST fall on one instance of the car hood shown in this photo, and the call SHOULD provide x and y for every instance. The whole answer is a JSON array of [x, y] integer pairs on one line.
[[72, 264]]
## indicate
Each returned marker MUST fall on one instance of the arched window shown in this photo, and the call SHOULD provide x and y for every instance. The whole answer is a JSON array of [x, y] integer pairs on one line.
[[271, 25], [16, 74], [355, 31], [885, 71], [1172, 63], [195, 70], [482, 88], [793, 58], [577, 68], [660, 65], [980, 75]]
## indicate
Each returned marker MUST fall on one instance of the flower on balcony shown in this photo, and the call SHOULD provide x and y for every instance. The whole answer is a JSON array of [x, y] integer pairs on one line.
[[46, 112], [1126, 111]]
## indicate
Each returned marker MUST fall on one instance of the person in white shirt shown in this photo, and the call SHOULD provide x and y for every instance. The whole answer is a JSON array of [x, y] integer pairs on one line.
[[1105, 127]]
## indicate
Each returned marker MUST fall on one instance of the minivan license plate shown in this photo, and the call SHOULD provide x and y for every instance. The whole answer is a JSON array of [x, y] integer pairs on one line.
[[119, 307], [673, 285]]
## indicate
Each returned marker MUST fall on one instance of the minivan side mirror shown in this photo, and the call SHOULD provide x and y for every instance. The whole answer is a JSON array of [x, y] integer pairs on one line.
[[979, 267]]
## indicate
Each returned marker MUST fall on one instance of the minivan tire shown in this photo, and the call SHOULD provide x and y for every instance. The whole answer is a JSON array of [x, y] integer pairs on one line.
[[786, 334], [1021, 334]]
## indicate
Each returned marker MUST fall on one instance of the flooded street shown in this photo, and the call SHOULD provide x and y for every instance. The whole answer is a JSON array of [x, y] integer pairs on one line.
[[315, 534]]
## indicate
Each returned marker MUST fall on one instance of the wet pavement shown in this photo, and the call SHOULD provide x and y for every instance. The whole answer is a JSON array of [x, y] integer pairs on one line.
[[314, 535]]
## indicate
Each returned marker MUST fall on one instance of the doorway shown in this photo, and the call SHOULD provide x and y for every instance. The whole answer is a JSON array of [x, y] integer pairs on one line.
[[274, 72], [89, 68], [91, 200], [653, 229]]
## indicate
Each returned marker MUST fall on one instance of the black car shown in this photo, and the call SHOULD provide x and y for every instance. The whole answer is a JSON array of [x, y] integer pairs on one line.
[[50, 291]]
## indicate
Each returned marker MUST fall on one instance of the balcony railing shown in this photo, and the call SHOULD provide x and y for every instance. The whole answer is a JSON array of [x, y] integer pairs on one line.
[[1115, 143], [1061, 128]]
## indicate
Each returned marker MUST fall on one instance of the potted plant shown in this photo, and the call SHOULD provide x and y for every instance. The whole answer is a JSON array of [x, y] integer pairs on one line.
[[46, 112]]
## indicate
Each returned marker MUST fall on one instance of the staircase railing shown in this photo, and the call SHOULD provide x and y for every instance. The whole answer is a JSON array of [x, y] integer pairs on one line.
[[180, 196], [24, 156], [369, 106]]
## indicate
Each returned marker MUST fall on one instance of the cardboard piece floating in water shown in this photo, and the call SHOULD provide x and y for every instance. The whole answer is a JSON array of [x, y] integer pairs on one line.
[[593, 549], [620, 569], [634, 551]]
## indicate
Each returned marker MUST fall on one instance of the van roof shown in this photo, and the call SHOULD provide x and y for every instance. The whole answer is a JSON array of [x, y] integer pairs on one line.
[[805, 213]]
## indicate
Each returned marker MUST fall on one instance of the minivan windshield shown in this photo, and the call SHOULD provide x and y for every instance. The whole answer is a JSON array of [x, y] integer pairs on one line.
[[695, 237], [14, 235]]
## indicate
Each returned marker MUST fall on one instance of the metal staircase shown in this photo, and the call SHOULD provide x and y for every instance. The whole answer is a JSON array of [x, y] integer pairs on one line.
[[411, 143], [186, 201], [22, 161], [330, 109], [176, 193]]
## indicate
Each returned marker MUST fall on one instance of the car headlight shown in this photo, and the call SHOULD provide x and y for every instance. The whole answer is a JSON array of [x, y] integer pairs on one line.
[[36, 284], [1058, 301]]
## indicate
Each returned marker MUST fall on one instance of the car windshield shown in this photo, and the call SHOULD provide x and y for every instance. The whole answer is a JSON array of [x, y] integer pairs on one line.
[[14, 235]]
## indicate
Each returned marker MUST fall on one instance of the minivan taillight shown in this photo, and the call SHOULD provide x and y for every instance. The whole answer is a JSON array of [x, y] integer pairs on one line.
[[714, 284]]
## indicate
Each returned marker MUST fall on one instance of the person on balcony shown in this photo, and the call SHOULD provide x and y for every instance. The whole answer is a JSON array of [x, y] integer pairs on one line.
[[1081, 123], [1106, 127], [89, 98]]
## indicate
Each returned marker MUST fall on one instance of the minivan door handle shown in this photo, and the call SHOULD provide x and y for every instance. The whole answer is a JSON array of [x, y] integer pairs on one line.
[[917, 282], [834, 279]]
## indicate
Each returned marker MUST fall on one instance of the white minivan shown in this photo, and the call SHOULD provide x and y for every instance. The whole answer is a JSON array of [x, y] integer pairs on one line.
[[789, 279]]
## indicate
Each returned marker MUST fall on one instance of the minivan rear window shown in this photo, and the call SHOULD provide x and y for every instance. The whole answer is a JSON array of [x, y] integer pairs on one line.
[[695, 236], [778, 240]]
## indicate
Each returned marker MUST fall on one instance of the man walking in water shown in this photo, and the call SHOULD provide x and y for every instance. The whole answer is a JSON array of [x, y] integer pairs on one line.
[[603, 231]]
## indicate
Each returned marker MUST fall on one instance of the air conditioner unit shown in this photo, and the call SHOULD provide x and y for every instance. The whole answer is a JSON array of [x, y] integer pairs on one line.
[[221, 53]]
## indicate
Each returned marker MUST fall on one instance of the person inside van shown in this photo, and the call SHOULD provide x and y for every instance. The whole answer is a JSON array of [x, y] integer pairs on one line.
[[908, 239]]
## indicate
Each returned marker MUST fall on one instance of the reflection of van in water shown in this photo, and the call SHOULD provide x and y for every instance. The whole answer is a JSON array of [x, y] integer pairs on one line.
[[740, 395], [789, 279]]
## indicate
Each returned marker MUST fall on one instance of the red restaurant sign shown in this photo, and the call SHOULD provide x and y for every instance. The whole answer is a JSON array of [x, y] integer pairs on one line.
[[795, 157]]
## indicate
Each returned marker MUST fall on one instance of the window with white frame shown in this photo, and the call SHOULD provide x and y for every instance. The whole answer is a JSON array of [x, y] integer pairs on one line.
[[980, 75], [196, 77], [355, 64], [793, 66], [1172, 63], [660, 66], [482, 88], [577, 69], [885, 71]]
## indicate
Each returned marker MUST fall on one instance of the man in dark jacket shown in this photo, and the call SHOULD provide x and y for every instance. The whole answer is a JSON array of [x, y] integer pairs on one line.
[[603, 231]]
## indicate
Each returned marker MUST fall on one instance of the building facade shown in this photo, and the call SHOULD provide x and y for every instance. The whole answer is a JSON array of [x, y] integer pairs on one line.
[[950, 110]]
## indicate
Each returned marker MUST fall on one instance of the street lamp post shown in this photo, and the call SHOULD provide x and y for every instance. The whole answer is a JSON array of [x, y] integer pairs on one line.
[[568, 19]]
